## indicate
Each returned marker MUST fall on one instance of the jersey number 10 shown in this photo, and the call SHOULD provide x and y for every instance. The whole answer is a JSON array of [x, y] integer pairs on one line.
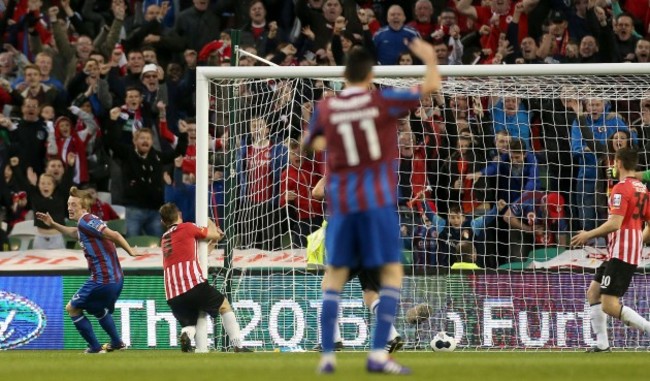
[[350, 145]]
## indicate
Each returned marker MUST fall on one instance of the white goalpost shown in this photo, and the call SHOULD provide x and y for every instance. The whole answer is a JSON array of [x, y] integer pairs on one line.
[[528, 290]]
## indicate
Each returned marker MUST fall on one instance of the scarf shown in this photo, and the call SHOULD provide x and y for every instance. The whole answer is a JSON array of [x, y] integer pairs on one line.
[[134, 122]]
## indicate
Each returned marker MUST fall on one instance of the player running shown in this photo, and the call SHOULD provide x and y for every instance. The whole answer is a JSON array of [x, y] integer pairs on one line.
[[628, 210], [358, 129], [98, 295]]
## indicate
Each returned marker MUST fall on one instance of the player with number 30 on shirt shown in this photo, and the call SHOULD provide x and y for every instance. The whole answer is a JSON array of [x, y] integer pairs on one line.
[[629, 209]]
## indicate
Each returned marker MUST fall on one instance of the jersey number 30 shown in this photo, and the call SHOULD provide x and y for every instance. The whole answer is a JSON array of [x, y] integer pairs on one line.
[[350, 144]]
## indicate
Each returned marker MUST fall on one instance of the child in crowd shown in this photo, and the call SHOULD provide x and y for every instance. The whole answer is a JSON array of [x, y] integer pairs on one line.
[[436, 239]]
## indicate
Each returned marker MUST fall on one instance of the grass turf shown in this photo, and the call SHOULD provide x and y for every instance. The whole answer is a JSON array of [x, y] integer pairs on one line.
[[168, 365]]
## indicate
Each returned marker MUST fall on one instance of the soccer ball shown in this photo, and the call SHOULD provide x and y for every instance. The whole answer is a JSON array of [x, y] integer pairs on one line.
[[443, 343]]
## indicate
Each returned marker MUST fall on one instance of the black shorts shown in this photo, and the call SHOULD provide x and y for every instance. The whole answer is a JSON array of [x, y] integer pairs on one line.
[[368, 279], [614, 277], [186, 307]]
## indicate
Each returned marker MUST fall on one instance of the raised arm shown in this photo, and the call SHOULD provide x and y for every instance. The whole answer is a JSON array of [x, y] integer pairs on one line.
[[425, 52], [70, 231], [466, 8]]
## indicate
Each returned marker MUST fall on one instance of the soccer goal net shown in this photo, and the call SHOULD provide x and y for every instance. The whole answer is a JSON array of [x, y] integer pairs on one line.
[[496, 173]]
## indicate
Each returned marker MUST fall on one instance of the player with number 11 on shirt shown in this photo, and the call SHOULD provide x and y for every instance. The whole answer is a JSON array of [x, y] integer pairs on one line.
[[359, 129]]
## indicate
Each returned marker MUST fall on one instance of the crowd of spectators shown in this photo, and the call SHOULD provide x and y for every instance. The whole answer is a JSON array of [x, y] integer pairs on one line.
[[102, 94]]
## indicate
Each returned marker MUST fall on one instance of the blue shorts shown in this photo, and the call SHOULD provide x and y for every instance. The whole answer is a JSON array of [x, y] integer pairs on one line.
[[366, 239], [95, 297]]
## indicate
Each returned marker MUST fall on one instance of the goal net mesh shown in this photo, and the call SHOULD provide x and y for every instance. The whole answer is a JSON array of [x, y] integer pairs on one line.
[[495, 175]]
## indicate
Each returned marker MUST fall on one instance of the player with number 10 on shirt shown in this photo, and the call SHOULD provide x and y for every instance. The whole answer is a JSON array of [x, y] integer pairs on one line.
[[98, 295], [359, 129], [629, 209]]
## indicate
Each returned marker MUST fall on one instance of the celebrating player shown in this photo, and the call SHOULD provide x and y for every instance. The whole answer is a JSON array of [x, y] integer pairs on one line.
[[187, 292], [628, 210], [358, 129], [99, 294]]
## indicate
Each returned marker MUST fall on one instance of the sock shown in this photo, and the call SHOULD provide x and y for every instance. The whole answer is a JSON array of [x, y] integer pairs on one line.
[[386, 311], [337, 333], [633, 319], [392, 334], [229, 322], [329, 319], [108, 325], [599, 325], [84, 327], [190, 330], [327, 358]]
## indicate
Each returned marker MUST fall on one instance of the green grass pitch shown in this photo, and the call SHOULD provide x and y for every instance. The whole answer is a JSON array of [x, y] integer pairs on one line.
[[167, 365]]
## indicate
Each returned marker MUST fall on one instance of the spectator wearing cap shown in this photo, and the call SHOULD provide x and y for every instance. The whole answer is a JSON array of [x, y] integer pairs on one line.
[[260, 33], [389, 40], [154, 88], [216, 52], [536, 219], [553, 47]]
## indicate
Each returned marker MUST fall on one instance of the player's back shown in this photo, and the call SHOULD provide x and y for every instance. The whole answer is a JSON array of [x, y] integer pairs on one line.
[[180, 258], [361, 132], [100, 252], [629, 198], [638, 209]]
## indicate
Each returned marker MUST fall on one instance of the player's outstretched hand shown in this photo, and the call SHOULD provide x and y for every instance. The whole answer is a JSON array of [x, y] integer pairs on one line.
[[424, 51], [45, 218], [580, 239]]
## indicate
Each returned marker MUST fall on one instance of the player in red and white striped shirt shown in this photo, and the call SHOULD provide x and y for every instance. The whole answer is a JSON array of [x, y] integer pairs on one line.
[[629, 209], [187, 291]]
